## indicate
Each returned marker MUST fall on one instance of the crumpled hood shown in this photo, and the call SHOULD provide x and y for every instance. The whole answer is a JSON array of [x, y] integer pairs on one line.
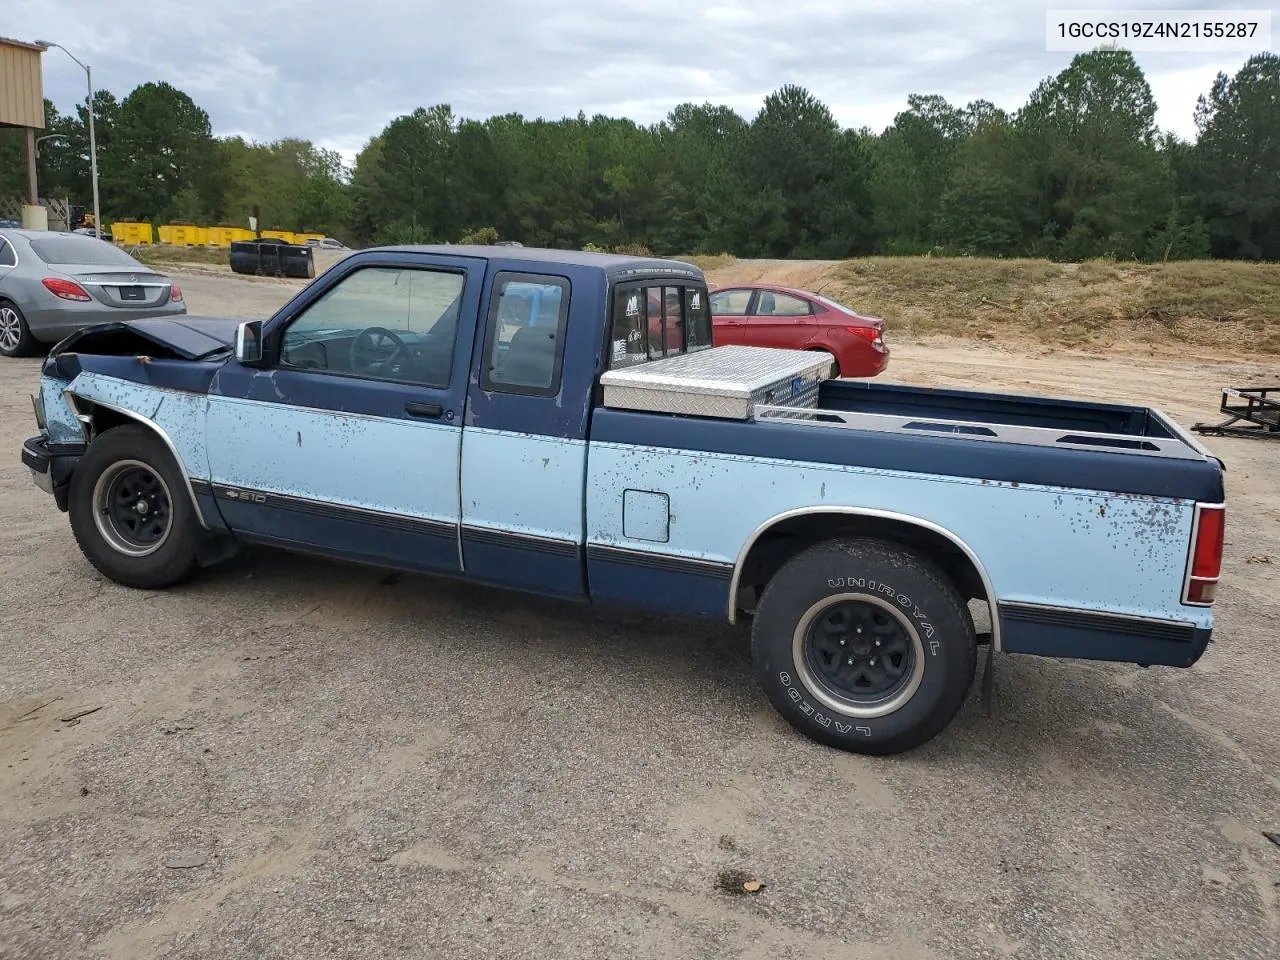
[[188, 337]]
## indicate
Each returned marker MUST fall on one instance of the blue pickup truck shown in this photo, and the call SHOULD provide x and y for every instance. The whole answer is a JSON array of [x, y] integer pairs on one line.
[[562, 423]]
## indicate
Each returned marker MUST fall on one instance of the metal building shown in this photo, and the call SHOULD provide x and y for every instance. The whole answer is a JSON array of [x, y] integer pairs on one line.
[[22, 105]]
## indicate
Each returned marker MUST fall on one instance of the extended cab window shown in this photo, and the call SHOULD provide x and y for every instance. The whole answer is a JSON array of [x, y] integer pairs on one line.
[[381, 323], [657, 319], [527, 316]]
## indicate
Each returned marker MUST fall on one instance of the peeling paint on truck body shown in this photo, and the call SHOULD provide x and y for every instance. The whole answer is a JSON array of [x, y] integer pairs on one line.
[[1081, 553]]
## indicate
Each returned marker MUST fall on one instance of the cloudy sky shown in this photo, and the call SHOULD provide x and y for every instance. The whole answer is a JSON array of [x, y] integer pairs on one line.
[[335, 71]]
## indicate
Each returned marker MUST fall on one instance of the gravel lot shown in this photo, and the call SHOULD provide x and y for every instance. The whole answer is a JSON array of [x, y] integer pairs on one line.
[[295, 758]]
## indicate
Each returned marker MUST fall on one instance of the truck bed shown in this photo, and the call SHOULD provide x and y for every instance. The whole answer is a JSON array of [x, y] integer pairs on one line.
[[762, 384], [855, 396], [1011, 418]]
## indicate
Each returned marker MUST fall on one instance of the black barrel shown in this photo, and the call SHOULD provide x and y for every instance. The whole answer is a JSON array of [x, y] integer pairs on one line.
[[270, 257]]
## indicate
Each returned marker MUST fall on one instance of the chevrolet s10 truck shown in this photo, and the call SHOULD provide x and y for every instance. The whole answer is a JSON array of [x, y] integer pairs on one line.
[[517, 417]]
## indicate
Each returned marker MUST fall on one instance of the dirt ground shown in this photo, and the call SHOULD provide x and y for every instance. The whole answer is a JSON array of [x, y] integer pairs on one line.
[[290, 757]]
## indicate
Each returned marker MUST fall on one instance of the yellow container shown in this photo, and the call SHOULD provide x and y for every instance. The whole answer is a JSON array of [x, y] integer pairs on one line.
[[225, 236], [285, 235], [183, 235], [304, 237], [130, 233]]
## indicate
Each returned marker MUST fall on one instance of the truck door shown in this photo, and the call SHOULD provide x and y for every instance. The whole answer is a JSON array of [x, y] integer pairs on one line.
[[524, 451], [347, 439]]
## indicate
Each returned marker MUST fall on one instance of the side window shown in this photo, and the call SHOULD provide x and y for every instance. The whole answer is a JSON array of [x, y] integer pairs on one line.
[[697, 320], [730, 303], [781, 305], [8, 258], [381, 323], [527, 316]]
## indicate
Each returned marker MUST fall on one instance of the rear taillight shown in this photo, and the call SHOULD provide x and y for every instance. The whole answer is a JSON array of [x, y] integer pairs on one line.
[[874, 334], [65, 289], [175, 293], [1204, 565]]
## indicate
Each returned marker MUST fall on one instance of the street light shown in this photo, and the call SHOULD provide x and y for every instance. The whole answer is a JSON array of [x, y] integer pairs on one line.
[[93, 145], [51, 136]]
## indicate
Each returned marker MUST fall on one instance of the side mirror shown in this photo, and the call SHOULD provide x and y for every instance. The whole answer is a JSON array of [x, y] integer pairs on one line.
[[249, 342]]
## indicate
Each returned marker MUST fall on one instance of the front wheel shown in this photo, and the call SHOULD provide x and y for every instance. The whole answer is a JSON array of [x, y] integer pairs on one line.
[[130, 510], [864, 645]]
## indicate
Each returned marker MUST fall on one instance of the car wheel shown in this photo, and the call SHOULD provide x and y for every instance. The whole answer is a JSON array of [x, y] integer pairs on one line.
[[130, 510], [864, 645], [15, 336]]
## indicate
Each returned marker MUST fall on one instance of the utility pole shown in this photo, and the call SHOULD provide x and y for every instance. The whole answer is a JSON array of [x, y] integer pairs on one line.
[[93, 145], [93, 159]]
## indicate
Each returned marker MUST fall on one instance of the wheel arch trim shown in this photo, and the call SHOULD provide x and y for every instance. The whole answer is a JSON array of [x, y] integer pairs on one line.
[[903, 518], [86, 422]]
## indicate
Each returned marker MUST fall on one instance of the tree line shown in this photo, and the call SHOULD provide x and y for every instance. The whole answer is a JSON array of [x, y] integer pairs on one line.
[[1079, 171]]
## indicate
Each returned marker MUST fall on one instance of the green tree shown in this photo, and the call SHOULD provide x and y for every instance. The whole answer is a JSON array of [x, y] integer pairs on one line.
[[1236, 166], [983, 211], [805, 182], [161, 143], [912, 167], [407, 193], [1087, 140], [698, 186]]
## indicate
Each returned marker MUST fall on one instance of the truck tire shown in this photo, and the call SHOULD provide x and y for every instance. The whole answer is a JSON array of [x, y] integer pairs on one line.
[[130, 510], [864, 645]]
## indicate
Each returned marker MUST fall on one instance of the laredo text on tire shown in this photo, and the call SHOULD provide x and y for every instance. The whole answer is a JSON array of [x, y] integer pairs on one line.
[[864, 645], [130, 510]]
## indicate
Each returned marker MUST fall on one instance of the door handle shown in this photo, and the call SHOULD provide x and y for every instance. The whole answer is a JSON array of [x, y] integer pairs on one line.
[[423, 409]]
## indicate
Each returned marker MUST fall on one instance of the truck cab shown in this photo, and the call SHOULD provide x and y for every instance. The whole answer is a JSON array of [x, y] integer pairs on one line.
[[438, 406]]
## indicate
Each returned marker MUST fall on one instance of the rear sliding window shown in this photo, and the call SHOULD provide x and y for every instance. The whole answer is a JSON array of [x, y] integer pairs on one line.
[[656, 319]]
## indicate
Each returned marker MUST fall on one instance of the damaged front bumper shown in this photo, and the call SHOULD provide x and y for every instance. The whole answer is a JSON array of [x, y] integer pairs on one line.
[[51, 465]]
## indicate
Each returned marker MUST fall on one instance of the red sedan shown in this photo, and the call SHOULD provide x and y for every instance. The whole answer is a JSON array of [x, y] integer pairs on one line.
[[763, 315]]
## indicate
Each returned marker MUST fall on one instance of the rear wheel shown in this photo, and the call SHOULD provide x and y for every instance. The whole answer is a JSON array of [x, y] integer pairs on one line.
[[864, 645], [130, 510], [15, 336]]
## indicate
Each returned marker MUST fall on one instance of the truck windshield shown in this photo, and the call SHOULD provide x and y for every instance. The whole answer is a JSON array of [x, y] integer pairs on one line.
[[656, 319]]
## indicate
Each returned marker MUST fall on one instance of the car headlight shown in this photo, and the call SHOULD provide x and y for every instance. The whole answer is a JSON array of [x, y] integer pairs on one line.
[[37, 403]]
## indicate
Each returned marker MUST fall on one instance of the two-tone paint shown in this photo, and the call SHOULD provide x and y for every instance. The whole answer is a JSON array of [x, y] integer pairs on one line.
[[1078, 553]]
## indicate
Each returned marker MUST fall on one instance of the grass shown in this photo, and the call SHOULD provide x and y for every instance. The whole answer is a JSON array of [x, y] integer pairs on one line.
[[1212, 304], [164, 253], [708, 261]]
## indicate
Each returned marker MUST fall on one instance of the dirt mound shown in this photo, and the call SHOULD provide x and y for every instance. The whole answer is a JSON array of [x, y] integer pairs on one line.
[[1223, 308]]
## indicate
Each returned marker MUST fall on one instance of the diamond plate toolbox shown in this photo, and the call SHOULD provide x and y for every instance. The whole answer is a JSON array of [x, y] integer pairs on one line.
[[725, 382]]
